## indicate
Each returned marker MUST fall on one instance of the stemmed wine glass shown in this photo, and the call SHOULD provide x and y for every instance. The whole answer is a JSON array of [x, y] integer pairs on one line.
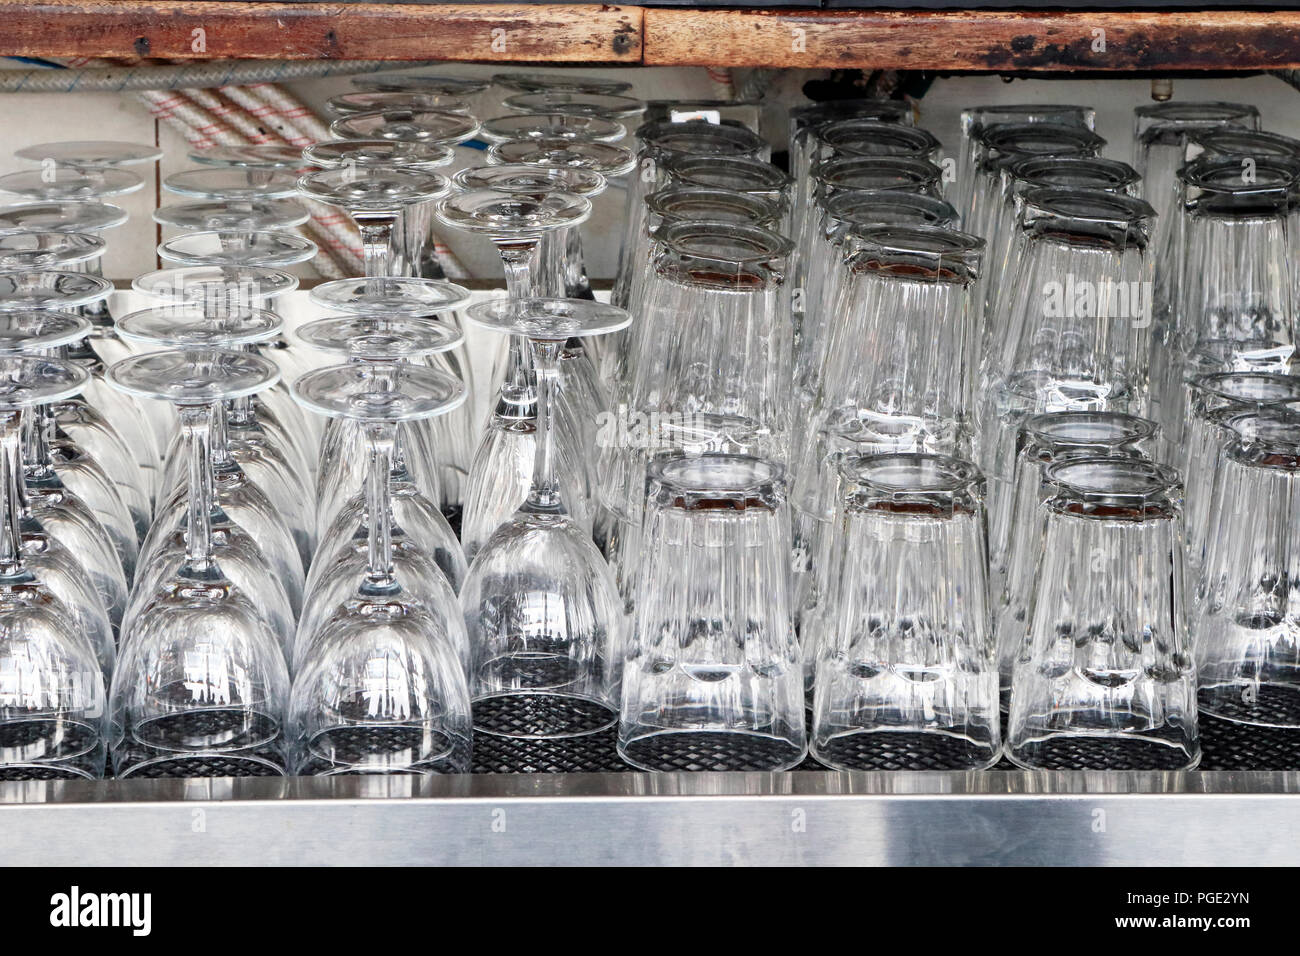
[[456, 433], [51, 678], [544, 615], [375, 196], [106, 553], [515, 223], [242, 559], [201, 686], [412, 247], [382, 686], [109, 427], [424, 550], [376, 340]]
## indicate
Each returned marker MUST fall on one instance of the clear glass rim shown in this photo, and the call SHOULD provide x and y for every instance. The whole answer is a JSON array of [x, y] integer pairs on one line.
[[415, 101], [693, 481], [28, 380], [687, 169], [250, 156], [378, 152], [851, 206], [473, 210], [1116, 481], [406, 82], [529, 178], [374, 188], [698, 239], [25, 330], [535, 83], [1096, 206], [607, 105], [173, 284], [66, 216], [552, 126], [808, 118], [1266, 437], [1223, 175], [433, 126], [858, 135], [206, 183], [907, 172], [903, 475], [133, 152], [274, 213], [604, 158], [672, 204], [198, 376], [1109, 174], [941, 243], [188, 325], [398, 295], [1238, 141], [668, 137], [54, 289], [375, 336], [388, 392], [552, 319], [1038, 139], [289, 249], [1255, 387], [1195, 111], [1085, 429], [71, 182], [61, 247]]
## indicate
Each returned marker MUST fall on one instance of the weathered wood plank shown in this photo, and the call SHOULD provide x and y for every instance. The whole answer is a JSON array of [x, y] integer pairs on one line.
[[975, 40], [557, 33]]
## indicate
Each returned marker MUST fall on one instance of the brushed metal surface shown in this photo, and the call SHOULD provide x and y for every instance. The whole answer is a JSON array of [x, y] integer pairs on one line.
[[1158, 819]]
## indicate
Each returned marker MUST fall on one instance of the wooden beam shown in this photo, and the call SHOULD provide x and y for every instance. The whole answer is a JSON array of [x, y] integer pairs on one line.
[[988, 40], [980, 40], [554, 33]]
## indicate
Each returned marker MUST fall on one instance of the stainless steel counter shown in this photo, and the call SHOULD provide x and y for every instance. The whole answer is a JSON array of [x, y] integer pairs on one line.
[[1159, 819]]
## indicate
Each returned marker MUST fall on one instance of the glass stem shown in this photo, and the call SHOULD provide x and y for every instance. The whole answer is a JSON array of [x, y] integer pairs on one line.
[[39, 427], [220, 442], [376, 238], [544, 492], [381, 437], [196, 426], [11, 477], [517, 260]]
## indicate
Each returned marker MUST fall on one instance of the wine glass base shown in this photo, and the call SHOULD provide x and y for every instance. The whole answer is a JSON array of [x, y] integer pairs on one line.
[[204, 765], [386, 749], [716, 750], [212, 742], [541, 715], [1103, 752], [906, 750], [1270, 705], [37, 771], [55, 740]]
